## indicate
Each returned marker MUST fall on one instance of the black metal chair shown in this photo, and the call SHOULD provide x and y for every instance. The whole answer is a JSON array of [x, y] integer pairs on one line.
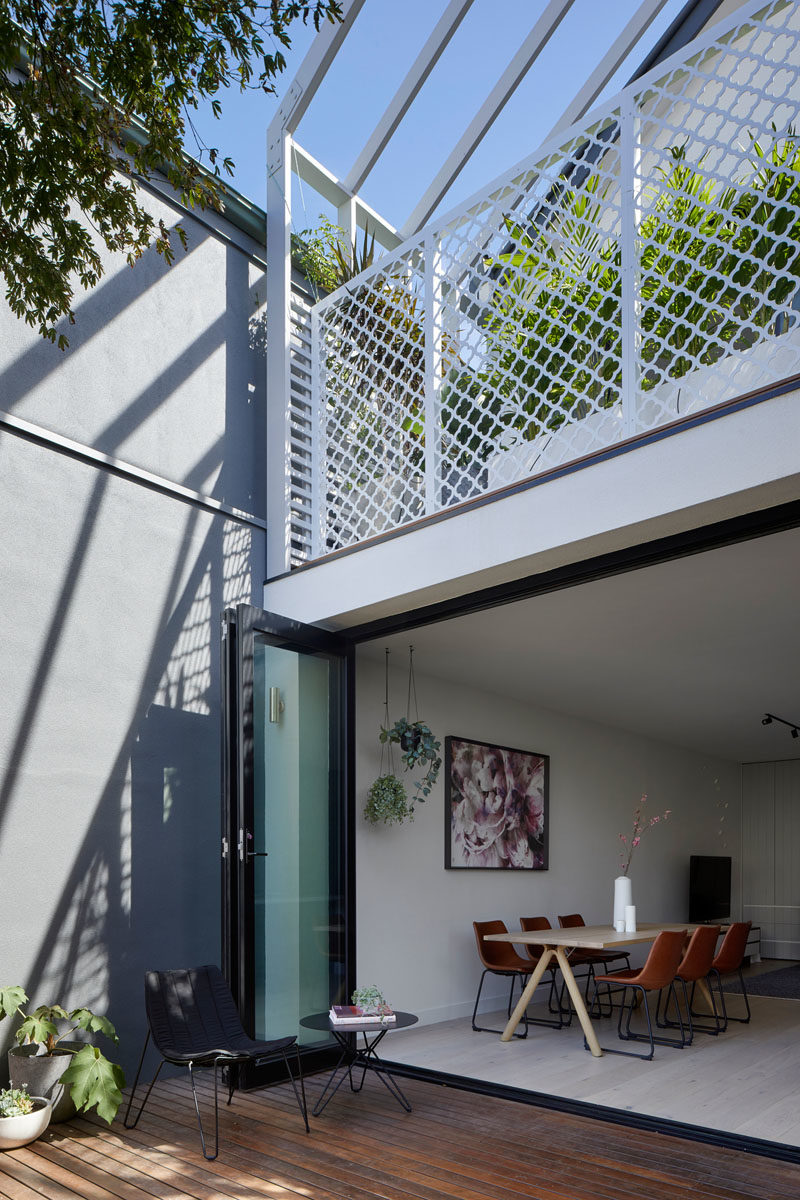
[[193, 1022]]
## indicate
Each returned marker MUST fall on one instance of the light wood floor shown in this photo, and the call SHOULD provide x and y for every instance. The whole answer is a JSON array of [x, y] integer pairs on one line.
[[745, 1081], [453, 1146]]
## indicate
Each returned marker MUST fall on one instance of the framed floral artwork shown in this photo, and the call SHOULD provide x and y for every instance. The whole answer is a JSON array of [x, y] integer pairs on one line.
[[496, 807]]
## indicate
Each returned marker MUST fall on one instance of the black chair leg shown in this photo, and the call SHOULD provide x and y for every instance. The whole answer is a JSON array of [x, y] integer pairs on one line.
[[132, 1124], [663, 1021], [206, 1155], [300, 1096], [626, 1011], [741, 1020], [719, 1015], [487, 1028]]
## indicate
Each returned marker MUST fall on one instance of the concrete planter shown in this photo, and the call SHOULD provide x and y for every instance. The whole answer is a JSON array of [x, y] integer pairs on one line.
[[41, 1073], [18, 1131]]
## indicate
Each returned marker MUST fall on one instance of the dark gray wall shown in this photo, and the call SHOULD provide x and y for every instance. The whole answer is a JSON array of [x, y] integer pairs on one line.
[[110, 595]]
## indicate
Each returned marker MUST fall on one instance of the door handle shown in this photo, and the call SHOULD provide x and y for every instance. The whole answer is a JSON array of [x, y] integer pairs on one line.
[[244, 852]]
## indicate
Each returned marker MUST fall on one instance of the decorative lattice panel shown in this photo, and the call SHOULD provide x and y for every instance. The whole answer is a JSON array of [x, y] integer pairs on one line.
[[645, 267]]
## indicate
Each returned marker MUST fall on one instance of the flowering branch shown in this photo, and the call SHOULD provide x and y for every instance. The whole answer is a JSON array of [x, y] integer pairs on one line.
[[640, 827]]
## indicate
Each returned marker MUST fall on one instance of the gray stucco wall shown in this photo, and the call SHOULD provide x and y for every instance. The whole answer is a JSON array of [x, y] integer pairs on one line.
[[110, 594]]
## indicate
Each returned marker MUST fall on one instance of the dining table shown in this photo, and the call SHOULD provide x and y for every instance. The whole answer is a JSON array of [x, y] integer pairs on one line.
[[558, 943]]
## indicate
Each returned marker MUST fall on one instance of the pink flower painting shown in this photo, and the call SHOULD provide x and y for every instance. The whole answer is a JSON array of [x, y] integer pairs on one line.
[[496, 807]]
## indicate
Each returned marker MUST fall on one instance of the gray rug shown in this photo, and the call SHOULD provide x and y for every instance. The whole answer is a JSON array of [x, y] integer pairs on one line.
[[784, 982]]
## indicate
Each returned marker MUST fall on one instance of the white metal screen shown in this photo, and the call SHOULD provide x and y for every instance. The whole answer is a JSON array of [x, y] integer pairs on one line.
[[643, 267]]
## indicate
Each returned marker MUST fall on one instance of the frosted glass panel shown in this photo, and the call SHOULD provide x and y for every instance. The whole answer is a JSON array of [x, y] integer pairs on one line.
[[297, 902]]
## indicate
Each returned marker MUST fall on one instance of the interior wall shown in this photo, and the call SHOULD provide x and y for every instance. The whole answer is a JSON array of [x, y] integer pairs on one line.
[[415, 937]]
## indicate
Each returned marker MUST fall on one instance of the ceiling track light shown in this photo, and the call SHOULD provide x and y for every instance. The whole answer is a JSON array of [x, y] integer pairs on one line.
[[768, 718]]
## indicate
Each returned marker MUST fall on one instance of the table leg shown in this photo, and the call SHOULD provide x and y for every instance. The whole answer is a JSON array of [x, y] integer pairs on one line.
[[527, 995], [354, 1056], [704, 991], [577, 1001]]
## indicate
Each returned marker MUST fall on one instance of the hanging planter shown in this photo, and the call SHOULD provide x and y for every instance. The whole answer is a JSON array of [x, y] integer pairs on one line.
[[419, 748], [387, 799]]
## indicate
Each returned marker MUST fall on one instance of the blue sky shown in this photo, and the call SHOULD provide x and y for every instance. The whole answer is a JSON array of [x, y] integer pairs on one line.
[[376, 55]]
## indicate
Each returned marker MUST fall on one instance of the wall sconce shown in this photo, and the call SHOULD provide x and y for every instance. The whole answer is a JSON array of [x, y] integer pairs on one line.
[[276, 705], [768, 718]]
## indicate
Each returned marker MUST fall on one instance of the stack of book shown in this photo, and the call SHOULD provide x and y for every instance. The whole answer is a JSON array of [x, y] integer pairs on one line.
[[351, 1014]]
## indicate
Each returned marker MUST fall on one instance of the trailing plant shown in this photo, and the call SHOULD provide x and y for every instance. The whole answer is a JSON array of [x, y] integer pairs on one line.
[[387, 801], [15, 1102], [418, 747], [94, 1082]]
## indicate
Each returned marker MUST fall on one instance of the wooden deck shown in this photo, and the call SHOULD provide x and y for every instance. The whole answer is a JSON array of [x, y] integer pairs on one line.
[[453, 1146]]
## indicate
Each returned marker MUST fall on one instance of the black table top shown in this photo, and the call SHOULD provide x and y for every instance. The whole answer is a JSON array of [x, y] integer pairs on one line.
[[321, 1020]]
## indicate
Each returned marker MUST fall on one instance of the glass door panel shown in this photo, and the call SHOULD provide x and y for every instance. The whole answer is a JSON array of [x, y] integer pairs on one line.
[[288, 934], [298, 960]]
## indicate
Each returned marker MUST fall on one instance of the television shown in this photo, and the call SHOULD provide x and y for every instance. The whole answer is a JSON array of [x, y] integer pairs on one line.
[[709, 887]]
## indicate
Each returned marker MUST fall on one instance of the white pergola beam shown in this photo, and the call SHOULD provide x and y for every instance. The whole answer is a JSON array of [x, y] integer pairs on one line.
[[505, 87], [407, 92], [312, 71], [323, 181], [636, 28]]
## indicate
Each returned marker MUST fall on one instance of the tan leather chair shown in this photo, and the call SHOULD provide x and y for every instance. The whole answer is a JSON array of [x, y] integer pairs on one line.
[[499, 958], [695, 966], [658, 972], [728, 962]]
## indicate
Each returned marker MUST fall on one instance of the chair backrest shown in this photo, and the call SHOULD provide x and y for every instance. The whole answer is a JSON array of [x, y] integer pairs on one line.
[[571, 921], [699, 954], [663, 960], [497, 956], [733, 947], [533, 925], [191, 1011]]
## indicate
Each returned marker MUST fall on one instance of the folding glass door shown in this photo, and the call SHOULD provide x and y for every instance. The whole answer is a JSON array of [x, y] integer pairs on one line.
[[287, 907]]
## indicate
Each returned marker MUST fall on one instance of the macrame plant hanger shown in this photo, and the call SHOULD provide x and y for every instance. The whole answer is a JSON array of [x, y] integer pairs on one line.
[[386, 747], [412, 687]]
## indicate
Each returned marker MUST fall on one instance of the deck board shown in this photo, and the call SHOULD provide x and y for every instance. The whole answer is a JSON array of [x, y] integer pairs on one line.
[[454, 1145]]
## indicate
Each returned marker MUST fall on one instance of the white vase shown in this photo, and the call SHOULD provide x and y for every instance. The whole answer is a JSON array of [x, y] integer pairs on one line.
[[623, 896]]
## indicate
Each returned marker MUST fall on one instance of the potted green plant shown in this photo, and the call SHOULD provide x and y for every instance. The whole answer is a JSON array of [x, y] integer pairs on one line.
[[23, 1118], [418, 747], [371, 1001], [72, 1075], [386, 801]]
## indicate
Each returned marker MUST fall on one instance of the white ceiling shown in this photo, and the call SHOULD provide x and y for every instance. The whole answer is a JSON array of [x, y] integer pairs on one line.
[[692, 652]]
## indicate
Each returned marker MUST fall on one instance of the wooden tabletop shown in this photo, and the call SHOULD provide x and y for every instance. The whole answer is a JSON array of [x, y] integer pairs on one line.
[[587, 937]]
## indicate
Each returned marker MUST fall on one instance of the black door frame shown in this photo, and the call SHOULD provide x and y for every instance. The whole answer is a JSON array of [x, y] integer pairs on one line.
[[240, 627]]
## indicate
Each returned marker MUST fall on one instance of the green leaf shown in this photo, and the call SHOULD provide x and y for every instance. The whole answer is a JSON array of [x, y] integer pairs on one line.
[[94, 1082], [36, 1028], [11, 999], [84, 1018]]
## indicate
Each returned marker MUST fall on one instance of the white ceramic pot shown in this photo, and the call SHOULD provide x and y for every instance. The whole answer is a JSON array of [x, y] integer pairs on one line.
[[18, 1131]]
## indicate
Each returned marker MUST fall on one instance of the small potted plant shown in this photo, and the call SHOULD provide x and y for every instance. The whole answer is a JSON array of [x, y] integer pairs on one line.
[[72, 1075], [23, 1118], [387, 801], [371, 1002]]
